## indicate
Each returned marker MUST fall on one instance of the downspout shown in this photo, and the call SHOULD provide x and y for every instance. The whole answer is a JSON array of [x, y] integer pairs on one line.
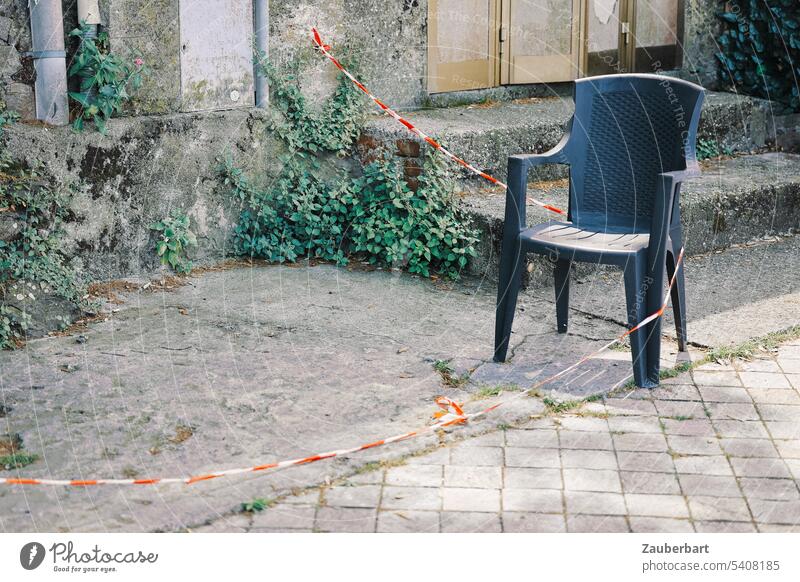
[[47, 34], [261, 22], [89, 13]]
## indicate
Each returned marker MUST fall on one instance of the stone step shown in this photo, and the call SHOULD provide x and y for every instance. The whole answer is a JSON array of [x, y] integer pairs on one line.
[[485, 134], [736, 200]]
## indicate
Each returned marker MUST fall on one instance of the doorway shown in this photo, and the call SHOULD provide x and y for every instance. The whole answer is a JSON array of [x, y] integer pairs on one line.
[[476, 44]]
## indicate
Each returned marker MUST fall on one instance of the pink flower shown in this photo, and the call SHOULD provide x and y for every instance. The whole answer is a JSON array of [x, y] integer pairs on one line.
[[139, 62]]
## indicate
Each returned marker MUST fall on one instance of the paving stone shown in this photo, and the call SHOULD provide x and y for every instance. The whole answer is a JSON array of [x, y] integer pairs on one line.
[[749, 447], [470, 522], [706, 508], [628, 407], [794, 380], [492, 439], [691, 427], [418, 498], [774, 396], [724, 394], [408, 521], [579, 502], [596, 524], [569, 439], [367, 478], [531, 457], [532, 438], [530, 478], [758, 365], [415, 476], [715, 378], [533, 500], [734, 411], [794, 467], [764, 380], [777, 528], [694, 445], [741, 429], [470, 499], [788, 449], [462, 476], [757, 467], [519, 522], [308, 498], [774, 489], [782, 429], [585, 424], [634, 424], [677, 408], [657, 462], [345, 519], [591, 480], [477, 456], [582, 459], [660, 525], [789, 366], [656, 505], [770, 511], [440, 456], [724, 527], [703, 465], [676, 392], [358, 496], [717, 485], [643, 442], [780, 412], [285, 517], [654, 483]]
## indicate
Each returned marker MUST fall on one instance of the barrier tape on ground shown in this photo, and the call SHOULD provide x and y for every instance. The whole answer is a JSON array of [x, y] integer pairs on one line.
[[450, 415], [325, 50]]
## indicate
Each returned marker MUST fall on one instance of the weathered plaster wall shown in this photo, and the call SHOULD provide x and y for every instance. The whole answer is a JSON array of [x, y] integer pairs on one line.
[[700, 45], [136, 175]]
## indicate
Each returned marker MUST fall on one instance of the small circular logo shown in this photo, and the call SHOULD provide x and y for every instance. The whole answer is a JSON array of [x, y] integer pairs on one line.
[[31, 555]]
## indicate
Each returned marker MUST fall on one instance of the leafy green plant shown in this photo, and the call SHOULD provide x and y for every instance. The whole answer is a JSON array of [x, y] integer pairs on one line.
[[17, 461], [34, 255], [256, 505], [104, 77], [707, 149], [760, 48], [375, 215], [175, 238]]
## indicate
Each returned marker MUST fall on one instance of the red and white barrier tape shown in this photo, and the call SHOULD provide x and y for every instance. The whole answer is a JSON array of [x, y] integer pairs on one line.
[[451, 415], [325, 50]]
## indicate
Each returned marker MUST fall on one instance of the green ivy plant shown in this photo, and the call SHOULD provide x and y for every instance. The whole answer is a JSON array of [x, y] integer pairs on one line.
[[375, 215], [175, 238], [760, 48], [105, 79], [35, 254]]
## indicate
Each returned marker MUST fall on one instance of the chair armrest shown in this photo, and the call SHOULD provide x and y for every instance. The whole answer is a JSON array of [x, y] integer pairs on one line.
[[518, 166]]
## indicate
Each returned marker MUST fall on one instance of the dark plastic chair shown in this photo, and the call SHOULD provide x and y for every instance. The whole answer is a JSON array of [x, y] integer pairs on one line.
[[630, 145]]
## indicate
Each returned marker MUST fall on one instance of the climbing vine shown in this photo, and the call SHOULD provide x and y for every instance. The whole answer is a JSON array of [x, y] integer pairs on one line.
[[316, 208]]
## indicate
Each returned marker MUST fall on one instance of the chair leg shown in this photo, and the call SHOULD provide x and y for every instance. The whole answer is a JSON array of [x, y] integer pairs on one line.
[[635, 296], [512, 263], [561, 276], [678, 295]]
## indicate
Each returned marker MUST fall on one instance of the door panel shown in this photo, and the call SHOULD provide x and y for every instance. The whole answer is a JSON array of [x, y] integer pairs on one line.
[[462, 44], [659, 25], [540, 41], [604, 41]]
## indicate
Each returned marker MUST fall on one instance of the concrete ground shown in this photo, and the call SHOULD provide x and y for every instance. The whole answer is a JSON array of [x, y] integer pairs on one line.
[[715, 450], [251, 365]]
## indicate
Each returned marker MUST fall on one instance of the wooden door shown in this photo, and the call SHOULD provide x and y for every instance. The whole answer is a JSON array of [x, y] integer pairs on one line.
[[462, 44], [540, 41], [657, 30]]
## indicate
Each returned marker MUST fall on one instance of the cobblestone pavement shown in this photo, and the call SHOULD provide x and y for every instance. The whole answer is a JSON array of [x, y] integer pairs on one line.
[[713, 450]]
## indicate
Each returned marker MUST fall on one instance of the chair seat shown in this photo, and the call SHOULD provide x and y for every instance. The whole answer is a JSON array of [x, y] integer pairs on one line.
[[583, 243]]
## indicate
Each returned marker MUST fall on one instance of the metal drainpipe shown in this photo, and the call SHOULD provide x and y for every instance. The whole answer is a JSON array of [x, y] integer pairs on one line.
[[47, 32], [89, 12], [261, 21]]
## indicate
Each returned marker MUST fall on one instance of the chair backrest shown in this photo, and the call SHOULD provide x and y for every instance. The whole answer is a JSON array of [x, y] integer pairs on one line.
[[628, 129]]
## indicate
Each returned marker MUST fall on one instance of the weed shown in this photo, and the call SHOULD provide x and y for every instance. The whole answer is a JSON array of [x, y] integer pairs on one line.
[[256, 505], [175, 237], [558, 406], [17, 461]]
